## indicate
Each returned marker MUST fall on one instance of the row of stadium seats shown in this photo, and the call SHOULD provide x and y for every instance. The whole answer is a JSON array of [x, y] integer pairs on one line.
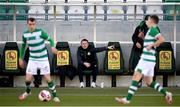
[[113, 59], [60, 1], [10, 58], [79, 12], [63, 62]]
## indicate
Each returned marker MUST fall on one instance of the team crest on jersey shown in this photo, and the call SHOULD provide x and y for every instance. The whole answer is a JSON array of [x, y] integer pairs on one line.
[[89, 53]]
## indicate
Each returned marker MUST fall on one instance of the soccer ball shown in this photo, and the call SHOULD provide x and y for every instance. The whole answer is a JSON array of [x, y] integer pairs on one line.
[[45, 96]]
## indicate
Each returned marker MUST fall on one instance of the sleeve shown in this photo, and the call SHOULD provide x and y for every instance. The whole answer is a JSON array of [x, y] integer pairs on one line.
[[79, 57], [154, 33], [135, 35], [158, 29], [45, 36], [23, 46], [99, 49], [141, 26]]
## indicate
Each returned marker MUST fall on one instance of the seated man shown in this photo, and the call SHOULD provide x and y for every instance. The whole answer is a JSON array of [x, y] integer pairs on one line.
[[87, 60]]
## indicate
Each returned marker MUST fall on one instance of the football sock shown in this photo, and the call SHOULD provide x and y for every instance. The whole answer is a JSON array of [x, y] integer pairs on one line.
[[28, 90], [52, 88], [132, 89], [158, 87]]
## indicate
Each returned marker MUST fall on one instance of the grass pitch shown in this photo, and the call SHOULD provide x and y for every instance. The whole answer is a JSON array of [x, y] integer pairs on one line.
[[88, 97]]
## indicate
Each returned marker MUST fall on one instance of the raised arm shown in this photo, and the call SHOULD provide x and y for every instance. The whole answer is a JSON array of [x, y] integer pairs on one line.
[[99, 49]]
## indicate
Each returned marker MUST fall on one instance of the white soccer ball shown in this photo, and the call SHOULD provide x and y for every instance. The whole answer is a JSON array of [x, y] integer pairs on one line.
[[45, 96]]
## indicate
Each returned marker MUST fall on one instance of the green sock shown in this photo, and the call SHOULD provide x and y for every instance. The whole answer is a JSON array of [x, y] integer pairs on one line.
[[52, 88], [158, 87], [132, 89], [28, 90]]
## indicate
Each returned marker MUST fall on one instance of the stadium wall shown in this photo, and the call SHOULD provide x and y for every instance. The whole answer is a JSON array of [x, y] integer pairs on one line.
[[106, 31], [122, 81]]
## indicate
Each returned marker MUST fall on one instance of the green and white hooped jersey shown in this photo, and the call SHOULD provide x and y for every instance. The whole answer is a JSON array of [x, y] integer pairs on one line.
[[36, 44], [150, 38]]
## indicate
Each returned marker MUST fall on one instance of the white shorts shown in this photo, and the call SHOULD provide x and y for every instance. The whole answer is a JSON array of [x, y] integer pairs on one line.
[[145, 67], [34, 65]]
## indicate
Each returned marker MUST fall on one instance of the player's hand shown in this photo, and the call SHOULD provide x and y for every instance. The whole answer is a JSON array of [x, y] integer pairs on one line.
[[141, 35], [111, 47], [21, 63], [138, 45], [149, 47], [87, 64], [54, 50]]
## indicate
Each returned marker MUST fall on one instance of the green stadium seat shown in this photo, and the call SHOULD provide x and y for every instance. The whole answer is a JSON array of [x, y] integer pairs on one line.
[[21, 10], [62, 62], [18, 1], [21, 13], [114, 61], [10, 56], [170, 10], [3, 0], [62, 46], [3, 15], [165, 63], [3, 9]]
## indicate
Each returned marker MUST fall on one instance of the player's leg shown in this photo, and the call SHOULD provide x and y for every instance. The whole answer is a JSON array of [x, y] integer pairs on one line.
[[137, 56], [30, 71], [134, 84], [132, 89], [45, 70], [52, 87], [155, 85], [133, 61], [28, 80]]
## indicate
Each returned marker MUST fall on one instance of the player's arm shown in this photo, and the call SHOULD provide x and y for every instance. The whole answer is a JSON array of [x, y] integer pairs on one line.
[[100, 49], [160, 39], [45, 36], [22, 51]]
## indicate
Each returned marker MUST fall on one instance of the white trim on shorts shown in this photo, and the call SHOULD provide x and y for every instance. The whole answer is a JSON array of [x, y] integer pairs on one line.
[[34, 65], [145, 67]]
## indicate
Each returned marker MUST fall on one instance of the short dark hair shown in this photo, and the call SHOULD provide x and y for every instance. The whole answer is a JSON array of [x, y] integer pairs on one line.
[[146, 17], [84, 40], [31, 19], [155, 18]]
